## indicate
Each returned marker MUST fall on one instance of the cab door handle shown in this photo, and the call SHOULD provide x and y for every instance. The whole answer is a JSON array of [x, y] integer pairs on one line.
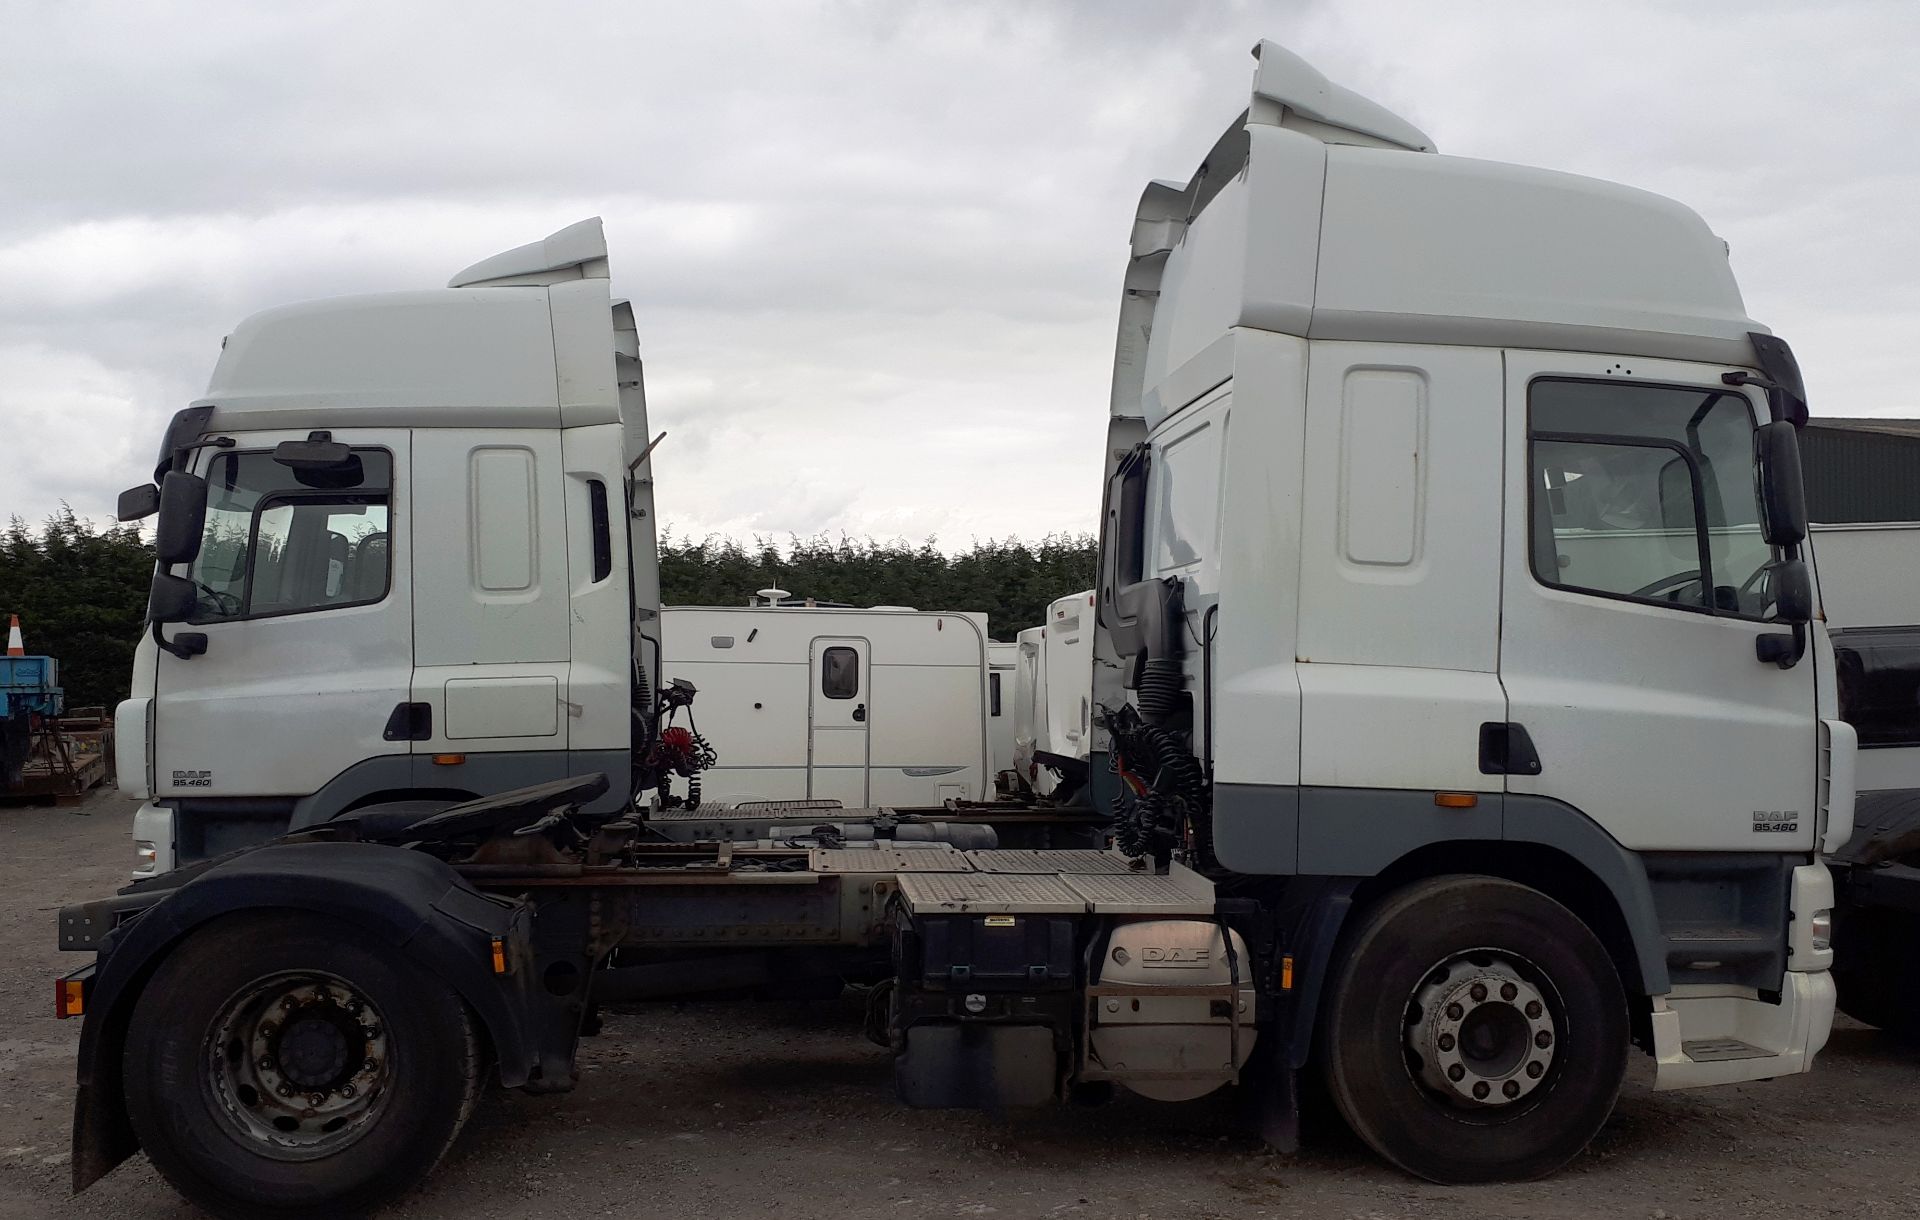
[[860, 713]]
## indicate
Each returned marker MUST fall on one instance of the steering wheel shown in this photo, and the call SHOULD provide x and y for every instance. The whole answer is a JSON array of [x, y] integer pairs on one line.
[[223, 601], [1667, 584]]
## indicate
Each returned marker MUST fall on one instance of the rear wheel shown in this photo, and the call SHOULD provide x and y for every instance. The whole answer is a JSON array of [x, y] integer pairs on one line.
[[279, 1062], [1475, 1031]]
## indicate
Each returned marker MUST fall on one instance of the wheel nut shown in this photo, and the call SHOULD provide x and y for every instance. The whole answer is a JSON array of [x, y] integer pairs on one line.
[[1445, 1042], [287, 1002], [266, 1063], [370, 1065], [1455, 1012], [1534, 1069], [1455, 1072], [1508, 991], [1511, 1089], [346, 1090], [1543, 1039], [373, 1031], [285, 1090], [268, 1029], [316, 1098], [1479, 992], [1533, 1010], [1480, 1091]]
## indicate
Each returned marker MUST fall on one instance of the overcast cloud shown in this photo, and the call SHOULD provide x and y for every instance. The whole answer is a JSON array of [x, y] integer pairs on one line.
[[875, 248]]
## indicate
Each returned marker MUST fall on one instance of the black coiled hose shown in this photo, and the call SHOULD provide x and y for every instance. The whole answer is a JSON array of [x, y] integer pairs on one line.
[[1162, 795]]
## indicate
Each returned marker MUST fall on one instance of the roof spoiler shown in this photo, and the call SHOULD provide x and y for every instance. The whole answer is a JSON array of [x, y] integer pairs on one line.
[[577, 252]]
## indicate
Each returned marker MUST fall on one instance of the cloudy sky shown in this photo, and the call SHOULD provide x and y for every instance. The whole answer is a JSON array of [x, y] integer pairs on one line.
[[875, 247]]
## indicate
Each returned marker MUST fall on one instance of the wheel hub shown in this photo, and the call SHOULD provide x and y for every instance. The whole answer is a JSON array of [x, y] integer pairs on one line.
[[1479, 1033], [298, 1064]]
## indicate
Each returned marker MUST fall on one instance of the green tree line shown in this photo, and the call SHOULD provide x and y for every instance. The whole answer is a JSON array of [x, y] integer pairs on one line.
[[81, 589]]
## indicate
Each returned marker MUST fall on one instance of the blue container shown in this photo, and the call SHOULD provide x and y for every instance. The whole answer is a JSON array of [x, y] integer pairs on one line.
[[30, 684]]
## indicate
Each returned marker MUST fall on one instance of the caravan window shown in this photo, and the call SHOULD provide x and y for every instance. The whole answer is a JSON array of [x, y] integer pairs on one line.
[[840, 673]]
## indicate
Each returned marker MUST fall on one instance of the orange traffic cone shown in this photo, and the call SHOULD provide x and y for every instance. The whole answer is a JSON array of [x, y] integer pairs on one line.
[[16, 647]]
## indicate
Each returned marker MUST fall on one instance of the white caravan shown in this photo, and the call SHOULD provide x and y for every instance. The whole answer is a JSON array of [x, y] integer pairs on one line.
[[863, 707]]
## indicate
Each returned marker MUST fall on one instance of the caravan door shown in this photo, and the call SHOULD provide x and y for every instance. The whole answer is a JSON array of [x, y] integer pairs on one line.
[[838, 720]]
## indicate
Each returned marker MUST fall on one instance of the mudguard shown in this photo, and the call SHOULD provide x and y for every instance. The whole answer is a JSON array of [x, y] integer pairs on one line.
[[403, 900]]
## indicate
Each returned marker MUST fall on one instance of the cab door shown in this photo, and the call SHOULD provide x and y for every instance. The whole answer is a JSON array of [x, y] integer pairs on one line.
[[493, 644], [1634, 586], [305, 599], [838, 720]]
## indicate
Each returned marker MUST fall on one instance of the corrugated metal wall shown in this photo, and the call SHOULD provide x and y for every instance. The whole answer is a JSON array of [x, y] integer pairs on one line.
[[1855, 476]]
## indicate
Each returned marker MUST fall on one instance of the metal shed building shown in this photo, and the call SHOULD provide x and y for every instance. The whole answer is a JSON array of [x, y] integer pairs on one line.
[[1861, 470]]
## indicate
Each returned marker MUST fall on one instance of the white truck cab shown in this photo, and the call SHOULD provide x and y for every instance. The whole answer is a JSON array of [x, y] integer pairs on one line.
[[1453, 527], [426, 555]]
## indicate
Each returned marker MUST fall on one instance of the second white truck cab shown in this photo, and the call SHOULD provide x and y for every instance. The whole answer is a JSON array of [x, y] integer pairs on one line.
[[1452, 563]]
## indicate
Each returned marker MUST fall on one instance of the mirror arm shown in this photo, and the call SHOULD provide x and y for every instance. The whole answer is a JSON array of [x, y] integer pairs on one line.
[[187, 645], [1784, 651]]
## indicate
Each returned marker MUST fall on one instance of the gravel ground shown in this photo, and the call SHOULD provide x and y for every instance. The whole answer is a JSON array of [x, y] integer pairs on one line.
[[783, 1109]]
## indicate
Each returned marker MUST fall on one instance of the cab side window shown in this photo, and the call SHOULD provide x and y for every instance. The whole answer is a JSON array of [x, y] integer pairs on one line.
[[1647, 493], [279, 541]]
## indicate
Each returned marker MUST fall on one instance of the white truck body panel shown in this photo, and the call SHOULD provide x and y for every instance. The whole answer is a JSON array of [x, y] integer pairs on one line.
[[1053, 686], [1003, 659], [1869, 573], [905, 724]]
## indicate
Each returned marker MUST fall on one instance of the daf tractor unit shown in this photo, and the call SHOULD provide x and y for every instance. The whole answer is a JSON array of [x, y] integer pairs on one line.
[[1462, 716]]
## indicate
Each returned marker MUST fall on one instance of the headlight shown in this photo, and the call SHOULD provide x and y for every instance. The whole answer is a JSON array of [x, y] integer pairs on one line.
[[146, 857], [1820, 930]]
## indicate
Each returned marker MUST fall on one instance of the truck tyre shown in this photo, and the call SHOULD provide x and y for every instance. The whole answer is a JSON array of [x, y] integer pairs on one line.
[[283, 1064], [1475, 1031], [1873, 957]]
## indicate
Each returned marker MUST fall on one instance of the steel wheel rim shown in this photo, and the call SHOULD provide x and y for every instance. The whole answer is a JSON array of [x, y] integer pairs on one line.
[[1483, 1030], [299, 1065]]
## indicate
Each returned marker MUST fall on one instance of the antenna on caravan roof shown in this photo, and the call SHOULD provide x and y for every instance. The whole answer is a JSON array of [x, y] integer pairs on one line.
[[770, 597]]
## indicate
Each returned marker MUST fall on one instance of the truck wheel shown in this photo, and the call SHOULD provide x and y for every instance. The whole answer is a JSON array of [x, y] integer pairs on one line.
[[1873, 956], [1475, 1031], [281, 1063]]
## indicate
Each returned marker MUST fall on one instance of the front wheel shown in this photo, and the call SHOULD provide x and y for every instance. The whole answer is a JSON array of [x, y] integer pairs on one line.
[[1475, 1031], [282, 1063]]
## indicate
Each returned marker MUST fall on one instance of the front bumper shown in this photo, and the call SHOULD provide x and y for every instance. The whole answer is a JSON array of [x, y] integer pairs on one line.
[[153, 841]]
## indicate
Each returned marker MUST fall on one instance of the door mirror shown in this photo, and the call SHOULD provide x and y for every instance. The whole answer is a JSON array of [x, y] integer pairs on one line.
[[172, 600], [1783, 497], [183, 518], [1791, 587], [137, 503]]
